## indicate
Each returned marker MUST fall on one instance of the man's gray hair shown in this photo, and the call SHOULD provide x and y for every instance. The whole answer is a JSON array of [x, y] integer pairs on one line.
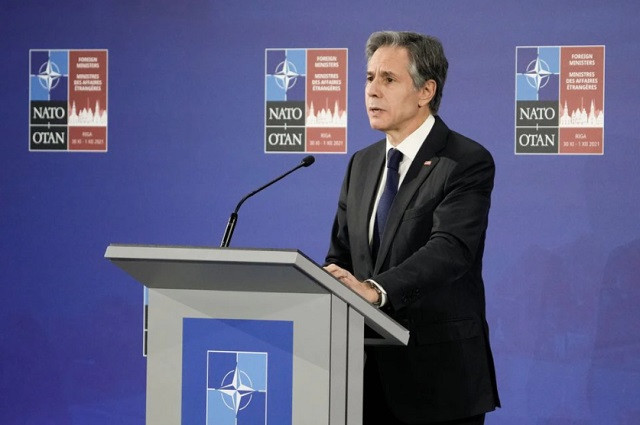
[[426, 58]]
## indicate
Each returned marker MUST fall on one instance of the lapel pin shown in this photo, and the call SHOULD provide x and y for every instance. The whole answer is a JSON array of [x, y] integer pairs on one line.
[[427, 163]]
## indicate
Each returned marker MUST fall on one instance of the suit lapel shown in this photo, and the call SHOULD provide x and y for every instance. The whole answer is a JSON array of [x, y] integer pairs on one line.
[[371, 172], [425, 161]]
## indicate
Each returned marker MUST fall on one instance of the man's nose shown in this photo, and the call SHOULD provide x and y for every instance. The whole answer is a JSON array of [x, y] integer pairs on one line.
[[372, 89]]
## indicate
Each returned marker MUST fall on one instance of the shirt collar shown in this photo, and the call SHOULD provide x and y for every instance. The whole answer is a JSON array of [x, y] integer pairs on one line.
[[411, 145]]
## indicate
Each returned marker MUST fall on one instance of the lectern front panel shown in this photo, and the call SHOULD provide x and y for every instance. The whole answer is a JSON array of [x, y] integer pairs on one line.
[[311, 357]]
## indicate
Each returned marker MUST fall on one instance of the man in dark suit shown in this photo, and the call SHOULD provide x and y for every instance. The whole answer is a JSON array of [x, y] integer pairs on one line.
[[409, 237]]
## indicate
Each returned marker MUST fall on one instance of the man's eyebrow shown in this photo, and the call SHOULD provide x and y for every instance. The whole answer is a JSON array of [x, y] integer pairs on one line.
[[384, 74]]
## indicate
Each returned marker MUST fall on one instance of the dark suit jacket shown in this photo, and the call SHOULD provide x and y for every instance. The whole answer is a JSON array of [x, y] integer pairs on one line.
[[430, 264]]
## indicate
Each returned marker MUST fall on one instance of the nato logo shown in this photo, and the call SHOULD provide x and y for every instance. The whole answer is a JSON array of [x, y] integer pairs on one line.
[[236, 372], [48, 83], [48, 76], [236, 388], [537, 73], [285, 91], [286, 74]]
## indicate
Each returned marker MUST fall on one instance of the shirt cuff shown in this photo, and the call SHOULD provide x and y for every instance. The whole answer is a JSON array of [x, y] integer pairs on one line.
[[383, 293]]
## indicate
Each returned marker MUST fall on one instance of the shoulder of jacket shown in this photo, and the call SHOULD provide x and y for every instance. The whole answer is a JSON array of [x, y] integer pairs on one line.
[[370, 151]]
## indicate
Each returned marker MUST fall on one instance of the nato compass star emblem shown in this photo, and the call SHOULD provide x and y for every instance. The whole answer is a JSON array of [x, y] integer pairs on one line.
[[49, 75], [236, 390], [286, 75], [538, 73]]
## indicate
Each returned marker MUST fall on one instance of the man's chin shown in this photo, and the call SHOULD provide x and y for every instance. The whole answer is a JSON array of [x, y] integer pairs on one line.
[[377, 125]]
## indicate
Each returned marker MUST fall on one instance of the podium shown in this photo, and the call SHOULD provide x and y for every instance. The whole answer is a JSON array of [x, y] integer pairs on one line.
[[207, 306]]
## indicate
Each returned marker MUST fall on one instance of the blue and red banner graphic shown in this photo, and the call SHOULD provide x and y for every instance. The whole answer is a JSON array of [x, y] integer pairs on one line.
[[560, 100], [68, 100], [306, 100]]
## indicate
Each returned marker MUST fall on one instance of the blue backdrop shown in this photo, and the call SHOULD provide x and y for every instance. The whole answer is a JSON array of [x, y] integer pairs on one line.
[[186, 124]]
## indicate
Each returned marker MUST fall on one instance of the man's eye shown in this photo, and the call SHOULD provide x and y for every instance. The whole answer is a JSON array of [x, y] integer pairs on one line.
[[389, 80]]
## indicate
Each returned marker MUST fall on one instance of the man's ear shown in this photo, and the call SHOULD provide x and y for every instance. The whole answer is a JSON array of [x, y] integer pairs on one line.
[[427, 92]]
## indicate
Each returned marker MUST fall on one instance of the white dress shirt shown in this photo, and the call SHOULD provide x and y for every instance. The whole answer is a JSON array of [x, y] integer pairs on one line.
[[409, 148]]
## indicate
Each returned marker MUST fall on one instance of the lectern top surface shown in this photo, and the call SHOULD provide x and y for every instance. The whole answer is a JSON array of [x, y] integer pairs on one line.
[[249, 270]]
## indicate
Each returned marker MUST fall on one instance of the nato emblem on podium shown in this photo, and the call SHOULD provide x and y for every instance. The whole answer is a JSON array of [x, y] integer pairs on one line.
[[236, 388], [237, 372]]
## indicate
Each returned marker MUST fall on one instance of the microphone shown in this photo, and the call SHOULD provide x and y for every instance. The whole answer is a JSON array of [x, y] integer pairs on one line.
[[231, 225]]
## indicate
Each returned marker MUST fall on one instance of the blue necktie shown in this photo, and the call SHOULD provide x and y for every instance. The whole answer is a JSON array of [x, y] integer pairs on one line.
[[394, 157]]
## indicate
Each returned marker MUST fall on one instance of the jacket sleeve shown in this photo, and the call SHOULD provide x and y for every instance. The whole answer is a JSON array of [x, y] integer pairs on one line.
[[339, 248]]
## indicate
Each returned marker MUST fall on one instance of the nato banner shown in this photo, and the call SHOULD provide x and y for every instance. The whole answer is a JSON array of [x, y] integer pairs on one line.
[[560, 100], [306, 100], [236, 372], [68, 100]]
